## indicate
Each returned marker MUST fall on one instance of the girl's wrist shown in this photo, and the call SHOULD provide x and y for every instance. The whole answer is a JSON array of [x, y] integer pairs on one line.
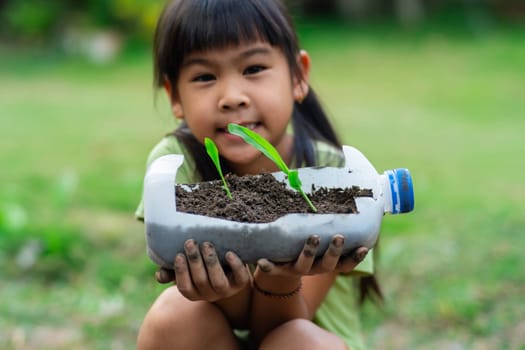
[[272, 294], [276, 285]]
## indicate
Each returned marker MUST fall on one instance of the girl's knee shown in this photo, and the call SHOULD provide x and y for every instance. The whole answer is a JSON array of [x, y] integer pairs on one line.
[[174, 321], [302, 334], [160, 321]]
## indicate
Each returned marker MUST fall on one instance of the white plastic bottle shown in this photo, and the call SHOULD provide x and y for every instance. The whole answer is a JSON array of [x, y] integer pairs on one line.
[[280, 240]]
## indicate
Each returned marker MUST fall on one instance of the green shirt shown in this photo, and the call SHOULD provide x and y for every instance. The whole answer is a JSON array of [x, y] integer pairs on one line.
[[339, 312]]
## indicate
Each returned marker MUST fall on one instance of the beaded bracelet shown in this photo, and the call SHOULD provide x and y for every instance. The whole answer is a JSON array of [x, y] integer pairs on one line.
[[277, 295]]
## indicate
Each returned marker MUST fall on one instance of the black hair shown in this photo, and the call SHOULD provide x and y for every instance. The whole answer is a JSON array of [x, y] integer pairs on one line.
[[188, 26]]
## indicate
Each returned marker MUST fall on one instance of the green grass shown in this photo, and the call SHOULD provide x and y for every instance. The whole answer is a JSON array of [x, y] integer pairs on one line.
[[447, 105]]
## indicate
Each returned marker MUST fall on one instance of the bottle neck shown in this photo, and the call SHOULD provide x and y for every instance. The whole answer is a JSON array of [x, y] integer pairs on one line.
[[386, 192]]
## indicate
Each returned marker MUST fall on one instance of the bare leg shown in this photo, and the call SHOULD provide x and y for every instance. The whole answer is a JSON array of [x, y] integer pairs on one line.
[[301, 334], [174, 322]]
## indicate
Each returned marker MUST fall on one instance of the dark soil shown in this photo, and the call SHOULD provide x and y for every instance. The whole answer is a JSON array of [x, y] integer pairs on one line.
[[262, 198]]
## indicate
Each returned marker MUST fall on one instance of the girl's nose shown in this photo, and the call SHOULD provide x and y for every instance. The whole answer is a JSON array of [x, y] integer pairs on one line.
[[232, 99]]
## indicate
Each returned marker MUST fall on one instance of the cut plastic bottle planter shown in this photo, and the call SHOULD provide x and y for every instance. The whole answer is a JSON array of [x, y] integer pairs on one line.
[[280, 240]]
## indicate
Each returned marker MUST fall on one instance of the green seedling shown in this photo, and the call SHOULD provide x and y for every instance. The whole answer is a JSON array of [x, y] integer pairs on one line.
[[213, 152], [261, 144]]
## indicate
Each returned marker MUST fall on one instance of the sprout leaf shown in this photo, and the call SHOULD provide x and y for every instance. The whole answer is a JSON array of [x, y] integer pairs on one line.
[[213, 152]]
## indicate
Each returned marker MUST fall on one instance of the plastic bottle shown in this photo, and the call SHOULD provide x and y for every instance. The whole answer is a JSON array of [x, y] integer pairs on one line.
[[283, 239]]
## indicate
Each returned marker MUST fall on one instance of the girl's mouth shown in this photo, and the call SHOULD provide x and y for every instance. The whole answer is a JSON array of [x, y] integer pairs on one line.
[[250, 126]]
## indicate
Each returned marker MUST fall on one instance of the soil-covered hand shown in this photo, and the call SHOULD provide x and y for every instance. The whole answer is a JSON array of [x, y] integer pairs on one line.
[[200, 276], [164, 275], [306, 263]]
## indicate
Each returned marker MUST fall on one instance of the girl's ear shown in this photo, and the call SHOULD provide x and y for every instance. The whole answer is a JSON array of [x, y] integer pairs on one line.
[[176, 106], [300, 83]]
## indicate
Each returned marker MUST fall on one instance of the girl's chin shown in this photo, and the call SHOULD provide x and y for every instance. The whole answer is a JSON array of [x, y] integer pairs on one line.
[[240, 159]]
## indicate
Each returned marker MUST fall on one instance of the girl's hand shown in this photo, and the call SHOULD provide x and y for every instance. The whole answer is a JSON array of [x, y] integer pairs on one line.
[[307, 264], [164, 275], [200, 276]]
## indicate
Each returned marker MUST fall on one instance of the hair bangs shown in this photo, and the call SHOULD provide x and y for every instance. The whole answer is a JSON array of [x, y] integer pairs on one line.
[[220, 24]]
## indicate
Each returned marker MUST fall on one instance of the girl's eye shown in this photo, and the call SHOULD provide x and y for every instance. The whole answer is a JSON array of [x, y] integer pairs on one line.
[[254, 69], [202, 78]]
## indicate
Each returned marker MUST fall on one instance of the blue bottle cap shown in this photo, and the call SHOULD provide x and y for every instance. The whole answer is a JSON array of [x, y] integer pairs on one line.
[[401, 189]]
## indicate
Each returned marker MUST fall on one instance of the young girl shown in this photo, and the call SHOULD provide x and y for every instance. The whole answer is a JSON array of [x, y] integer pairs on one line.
[[238, 61]]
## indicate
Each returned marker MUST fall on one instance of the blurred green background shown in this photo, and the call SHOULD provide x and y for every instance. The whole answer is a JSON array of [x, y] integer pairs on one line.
[[437, 87]]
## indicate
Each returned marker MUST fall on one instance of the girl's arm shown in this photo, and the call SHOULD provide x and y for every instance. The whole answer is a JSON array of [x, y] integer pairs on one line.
[[236, 307], [285, 292], [270, 311]]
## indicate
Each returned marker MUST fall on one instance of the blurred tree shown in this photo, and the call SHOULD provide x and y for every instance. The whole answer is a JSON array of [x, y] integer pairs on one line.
[[319, 7], [30, 19], [357, 10], [135, 19], [414, 12], [38, 19], [410, 12]]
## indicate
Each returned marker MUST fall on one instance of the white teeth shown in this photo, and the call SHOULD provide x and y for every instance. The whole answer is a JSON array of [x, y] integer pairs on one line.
[[250, 126]]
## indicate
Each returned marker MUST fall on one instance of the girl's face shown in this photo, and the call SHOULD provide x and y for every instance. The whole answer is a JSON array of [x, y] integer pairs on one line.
[[250, 85]]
